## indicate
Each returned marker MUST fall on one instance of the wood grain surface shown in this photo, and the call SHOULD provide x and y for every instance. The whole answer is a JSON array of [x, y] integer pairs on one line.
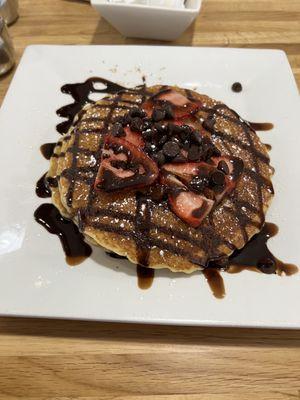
[[54, 359]]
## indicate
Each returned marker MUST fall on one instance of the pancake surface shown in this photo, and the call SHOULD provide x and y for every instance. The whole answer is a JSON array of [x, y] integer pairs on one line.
[[145, 231]]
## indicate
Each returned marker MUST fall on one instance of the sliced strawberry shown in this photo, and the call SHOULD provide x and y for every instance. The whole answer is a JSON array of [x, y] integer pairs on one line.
[[234, 170], [148, 106], [182, 106], [190, 122], [190, 207], [171, 181], [182, 112], [176, 98], [188, 170], [133, 137], [124, 166]]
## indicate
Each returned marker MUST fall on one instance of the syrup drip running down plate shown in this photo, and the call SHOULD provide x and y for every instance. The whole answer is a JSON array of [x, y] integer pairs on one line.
[[36, 280]]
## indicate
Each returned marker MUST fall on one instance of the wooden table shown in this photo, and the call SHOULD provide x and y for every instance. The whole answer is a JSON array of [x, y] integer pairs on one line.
[[48, 359]]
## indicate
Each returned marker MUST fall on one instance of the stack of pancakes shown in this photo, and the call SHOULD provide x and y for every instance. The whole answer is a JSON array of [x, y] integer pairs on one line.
[[109, 219]]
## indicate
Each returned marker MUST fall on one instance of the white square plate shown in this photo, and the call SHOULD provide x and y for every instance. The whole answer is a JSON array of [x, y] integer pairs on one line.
[[34, 278]]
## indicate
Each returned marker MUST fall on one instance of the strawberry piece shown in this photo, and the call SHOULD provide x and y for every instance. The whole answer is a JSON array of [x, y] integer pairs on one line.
[[182, 106], [124, 166], [176, 98], [186, 111], [235, 169], [235, 165], [190, 207], [171, 181], [148, 106], [133, 137], [186, 171]]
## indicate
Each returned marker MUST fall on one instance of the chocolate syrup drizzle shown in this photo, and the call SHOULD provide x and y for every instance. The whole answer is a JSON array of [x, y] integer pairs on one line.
[[261, 126], [80, 93], [142, 221], [47, 150], [42, 189], [75, 248]]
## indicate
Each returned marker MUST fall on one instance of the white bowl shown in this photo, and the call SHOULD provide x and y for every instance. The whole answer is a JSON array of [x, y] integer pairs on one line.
[[149, 22]]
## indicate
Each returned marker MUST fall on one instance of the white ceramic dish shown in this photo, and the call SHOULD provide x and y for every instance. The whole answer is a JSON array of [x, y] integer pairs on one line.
[[134, 20], [34, 278]]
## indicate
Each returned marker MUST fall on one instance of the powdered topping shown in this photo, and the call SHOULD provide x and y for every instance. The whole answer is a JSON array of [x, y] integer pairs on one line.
[[163, 143]]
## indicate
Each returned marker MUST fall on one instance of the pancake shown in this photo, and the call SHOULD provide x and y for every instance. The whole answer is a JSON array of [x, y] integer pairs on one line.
[[138, 224]]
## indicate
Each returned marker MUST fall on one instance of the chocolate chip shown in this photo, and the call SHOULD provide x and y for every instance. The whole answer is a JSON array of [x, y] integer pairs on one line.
[[147, 134], [179, 158], [217, 178], [267, 265], [159, 157], [171, 149], [147, 148], [237, 87], [147, 123], [222, 166], [184, 135], [198, 183], [137, 112], [173, 130], [206, 142], [161, 128], [126, 120], [169, 113], [194, 153], [158, 115], [150, 148], [117, 130], [163, 140], [136, 124], [176, 140], [186, 145], [196, 137], [187, 129]]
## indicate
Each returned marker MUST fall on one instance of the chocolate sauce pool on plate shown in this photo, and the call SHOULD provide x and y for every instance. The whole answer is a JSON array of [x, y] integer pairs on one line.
[[80, 93], [254, 256], [74, 246]]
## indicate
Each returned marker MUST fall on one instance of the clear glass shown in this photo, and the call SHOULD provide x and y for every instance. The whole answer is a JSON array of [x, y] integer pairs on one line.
[[9, 10], [7, 55]]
